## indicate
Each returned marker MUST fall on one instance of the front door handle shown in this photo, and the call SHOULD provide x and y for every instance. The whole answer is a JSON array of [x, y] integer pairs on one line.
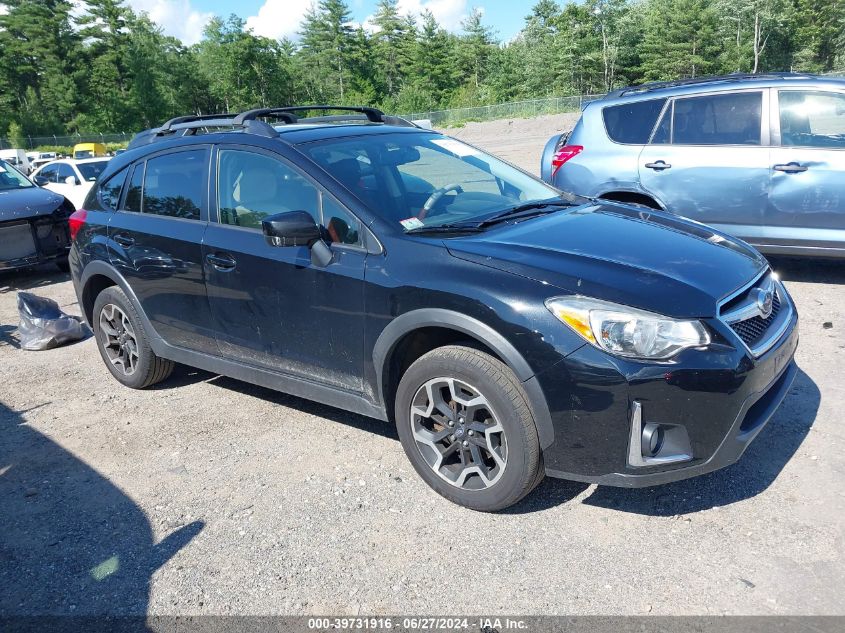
[[790, 168], [659, 165], [124, 240], [221, 262]]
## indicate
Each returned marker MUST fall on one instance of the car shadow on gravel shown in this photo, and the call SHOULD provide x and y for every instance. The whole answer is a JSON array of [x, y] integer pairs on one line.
[[755, 471], [809, 270], [71, 542], [29, 279]]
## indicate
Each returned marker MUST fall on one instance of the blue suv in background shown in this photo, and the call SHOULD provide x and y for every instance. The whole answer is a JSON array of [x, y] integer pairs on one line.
[[758, 156]]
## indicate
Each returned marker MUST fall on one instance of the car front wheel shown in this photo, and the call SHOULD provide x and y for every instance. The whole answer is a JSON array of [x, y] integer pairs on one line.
[[467, 428]]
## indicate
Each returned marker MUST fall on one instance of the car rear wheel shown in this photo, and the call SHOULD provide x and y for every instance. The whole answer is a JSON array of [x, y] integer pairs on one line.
[[467, 428], [123, 342]]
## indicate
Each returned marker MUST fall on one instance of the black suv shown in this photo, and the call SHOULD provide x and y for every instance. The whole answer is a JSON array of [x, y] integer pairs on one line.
[[509, 330]]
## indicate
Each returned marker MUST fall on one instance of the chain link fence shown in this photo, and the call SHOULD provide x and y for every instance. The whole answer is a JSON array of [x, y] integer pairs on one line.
[[512, 110], [438, 118], [33, 142]]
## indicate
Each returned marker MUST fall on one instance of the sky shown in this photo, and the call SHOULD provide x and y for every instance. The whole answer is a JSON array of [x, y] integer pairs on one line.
[[185, 19]]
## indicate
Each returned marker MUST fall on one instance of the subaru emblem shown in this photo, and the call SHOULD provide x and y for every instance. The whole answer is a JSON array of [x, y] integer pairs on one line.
[[764, 302]]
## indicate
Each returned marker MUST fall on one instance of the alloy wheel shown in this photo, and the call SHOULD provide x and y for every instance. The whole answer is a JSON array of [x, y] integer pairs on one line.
[[119, 343], [458, 434]]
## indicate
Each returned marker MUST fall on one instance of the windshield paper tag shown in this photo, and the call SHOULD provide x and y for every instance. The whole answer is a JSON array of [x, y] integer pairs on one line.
[[456, 147], [411, 223]]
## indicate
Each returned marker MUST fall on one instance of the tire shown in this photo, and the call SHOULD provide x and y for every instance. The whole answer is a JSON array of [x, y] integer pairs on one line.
[[504, 419], [116, 326]]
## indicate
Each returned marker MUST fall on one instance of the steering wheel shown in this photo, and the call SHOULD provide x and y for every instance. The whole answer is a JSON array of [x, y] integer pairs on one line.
[[435, 197]]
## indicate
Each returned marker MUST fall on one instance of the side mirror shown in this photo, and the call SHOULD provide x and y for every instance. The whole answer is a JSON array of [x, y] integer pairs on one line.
[[292, 228], [71, 180], [40, 181], [297, 228]]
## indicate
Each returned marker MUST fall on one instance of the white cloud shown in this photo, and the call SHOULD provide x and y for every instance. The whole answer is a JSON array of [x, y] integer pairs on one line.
[[449, 13], [282, 18], [176, 17], [279, 18]]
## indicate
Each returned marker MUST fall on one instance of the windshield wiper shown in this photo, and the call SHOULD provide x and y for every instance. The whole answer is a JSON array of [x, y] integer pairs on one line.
[[527, 210], [445, 228]]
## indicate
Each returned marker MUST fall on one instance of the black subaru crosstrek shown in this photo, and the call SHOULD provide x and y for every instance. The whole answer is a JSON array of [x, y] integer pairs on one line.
[[509, 330]]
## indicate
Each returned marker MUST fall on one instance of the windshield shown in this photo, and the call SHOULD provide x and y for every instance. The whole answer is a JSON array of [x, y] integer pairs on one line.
[[11, 178], [427, 180], [84, 153], [90, 171]]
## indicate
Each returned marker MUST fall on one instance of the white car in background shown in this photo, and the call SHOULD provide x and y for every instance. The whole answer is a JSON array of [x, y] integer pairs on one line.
[[71, 178]]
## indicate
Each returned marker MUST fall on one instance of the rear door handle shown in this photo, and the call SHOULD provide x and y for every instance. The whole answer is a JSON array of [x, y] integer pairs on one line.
[[221, 262], [124, 240], [659, 165], [790, 168]]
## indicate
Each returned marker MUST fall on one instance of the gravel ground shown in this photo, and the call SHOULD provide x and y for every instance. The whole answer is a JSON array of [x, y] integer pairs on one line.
[[206, 495]]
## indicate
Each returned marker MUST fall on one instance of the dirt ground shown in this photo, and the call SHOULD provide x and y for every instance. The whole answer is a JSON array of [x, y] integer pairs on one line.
[[206, 495]]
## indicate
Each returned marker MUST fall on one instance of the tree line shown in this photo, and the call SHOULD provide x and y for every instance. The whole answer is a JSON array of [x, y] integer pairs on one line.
[[106, 68]]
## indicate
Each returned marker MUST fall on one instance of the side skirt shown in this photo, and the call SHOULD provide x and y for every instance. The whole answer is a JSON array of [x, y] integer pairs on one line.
[[295, 386]]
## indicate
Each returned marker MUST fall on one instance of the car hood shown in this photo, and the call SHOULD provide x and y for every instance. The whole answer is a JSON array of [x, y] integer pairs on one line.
[[16, 204], [631, 255]]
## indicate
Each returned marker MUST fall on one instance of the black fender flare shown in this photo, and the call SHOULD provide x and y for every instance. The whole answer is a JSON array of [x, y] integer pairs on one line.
[[99, 267], [474, 329]]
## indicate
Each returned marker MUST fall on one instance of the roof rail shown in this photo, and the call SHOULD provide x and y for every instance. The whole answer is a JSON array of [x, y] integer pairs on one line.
[[373, 115], [692, 81], [249, 121]]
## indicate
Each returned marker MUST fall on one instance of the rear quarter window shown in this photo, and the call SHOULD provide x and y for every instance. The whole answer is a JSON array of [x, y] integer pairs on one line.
[[631, 123]]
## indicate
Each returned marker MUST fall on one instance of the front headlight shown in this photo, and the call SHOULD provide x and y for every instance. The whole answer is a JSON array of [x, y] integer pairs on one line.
[[626, 331]]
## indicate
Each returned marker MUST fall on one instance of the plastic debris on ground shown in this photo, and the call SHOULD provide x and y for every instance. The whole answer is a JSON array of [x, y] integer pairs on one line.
[[43, 324]]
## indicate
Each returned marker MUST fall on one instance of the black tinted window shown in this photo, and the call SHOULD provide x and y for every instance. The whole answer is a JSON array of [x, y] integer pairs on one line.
[[133, 193], [632, 122], [109, 191], [174, 184], [66, 171], [726, 119]]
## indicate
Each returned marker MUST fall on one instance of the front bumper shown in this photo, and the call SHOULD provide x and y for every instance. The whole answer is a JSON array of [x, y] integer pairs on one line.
[[31, 241], [722, 399]]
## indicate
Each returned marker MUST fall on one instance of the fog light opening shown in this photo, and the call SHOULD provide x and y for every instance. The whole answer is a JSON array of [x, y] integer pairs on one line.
[[652, 440]]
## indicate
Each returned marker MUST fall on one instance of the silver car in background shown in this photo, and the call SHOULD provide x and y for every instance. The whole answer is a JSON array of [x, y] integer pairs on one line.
[[761, 157]]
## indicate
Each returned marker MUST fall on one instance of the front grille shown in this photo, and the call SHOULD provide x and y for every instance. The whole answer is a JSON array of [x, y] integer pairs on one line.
[[16, 241], [752, 330], [743, 314]]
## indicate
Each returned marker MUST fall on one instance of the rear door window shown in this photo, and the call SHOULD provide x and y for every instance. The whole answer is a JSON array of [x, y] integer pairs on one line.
[[811, 119], [632, 123], [174, 184], [721, 119]]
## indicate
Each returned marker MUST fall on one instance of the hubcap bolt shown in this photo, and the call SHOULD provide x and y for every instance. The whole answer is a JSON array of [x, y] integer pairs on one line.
[[451, 423], [466, 443]]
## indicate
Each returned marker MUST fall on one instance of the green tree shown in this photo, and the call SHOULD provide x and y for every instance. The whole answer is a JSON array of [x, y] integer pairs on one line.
[[680, 39]]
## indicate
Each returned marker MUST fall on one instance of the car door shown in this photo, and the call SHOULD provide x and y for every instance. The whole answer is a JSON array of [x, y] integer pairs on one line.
[[807, 193], [156, 244], [272, 307], [70, 189], [48, 177], [708, 159]]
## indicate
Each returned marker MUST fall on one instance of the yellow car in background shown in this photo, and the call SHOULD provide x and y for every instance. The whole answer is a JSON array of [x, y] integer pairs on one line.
[[88, 150]]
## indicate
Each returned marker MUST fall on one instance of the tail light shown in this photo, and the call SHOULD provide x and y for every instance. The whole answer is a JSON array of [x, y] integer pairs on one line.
[[75, 222], [563, 154]]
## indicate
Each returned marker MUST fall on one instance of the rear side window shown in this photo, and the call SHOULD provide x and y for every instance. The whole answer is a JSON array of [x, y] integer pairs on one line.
[[723, 119], [812, 119], [174, 184], [104, 196], [133, 192], [632, 123]]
